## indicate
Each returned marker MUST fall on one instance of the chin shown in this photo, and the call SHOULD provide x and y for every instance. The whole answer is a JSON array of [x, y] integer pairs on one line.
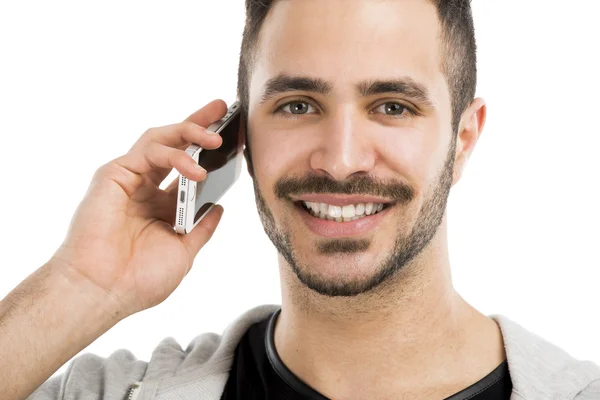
[[339, 260]]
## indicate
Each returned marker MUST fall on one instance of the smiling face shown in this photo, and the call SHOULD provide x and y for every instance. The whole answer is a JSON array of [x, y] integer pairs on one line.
[[349, 124]]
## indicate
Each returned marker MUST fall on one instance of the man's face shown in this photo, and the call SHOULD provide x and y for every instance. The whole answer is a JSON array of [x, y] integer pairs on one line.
[[369, 123]]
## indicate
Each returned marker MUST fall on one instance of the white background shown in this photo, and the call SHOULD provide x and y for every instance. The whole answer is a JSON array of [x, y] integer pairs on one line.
[[81, 81]]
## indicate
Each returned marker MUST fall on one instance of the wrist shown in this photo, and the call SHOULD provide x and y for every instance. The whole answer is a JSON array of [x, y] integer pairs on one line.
[[86, 293]]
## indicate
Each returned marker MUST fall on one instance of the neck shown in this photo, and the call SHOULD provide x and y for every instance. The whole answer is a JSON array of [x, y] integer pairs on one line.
[[413, 326]]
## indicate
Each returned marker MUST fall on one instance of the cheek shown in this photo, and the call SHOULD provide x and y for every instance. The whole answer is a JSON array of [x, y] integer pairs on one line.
[[278, 152], [411, 151]]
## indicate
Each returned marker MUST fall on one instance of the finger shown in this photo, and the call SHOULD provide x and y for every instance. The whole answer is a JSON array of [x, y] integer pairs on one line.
[[155, 156], [182, 134], [213, 111], [193, 127], [202, 233], [192, 130]]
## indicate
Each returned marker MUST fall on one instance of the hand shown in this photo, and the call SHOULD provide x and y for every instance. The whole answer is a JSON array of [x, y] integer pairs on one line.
[[121, 237]]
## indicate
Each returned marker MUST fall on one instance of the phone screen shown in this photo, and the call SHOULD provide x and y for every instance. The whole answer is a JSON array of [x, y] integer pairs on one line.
[[221, 166]]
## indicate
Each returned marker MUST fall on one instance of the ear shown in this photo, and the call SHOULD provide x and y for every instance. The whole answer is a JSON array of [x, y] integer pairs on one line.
[[469, 131]]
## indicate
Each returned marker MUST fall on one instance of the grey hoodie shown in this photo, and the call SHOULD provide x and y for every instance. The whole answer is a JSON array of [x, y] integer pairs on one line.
[[538, 369]]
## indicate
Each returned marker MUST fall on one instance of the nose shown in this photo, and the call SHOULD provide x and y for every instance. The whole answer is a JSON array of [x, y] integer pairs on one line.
[[343, 148]]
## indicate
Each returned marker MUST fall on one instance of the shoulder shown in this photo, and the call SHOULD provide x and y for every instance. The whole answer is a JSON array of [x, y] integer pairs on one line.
[[89, 376], [590, 392], [538, 367]]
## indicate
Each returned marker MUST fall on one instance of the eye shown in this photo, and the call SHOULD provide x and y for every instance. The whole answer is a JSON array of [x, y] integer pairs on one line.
[[394, 109], [294, 108]]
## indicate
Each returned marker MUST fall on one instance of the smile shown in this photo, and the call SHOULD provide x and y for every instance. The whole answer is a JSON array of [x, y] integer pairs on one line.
[[350, 212], [331, 220]]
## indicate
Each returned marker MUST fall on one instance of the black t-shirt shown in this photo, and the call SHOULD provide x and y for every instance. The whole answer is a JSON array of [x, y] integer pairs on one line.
[[258, 373]]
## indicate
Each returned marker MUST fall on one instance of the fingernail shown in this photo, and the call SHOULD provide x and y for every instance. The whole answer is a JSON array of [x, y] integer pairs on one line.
[[211, 132], [199, 168]]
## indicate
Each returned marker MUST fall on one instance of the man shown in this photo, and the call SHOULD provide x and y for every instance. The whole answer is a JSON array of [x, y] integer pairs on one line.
[[360, 118]]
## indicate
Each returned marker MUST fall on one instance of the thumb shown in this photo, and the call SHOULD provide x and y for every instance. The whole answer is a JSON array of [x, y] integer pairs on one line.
[[202, 232]]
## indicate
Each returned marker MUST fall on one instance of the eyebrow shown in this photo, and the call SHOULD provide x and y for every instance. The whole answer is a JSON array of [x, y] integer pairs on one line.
[[404, 85], [287, 83]]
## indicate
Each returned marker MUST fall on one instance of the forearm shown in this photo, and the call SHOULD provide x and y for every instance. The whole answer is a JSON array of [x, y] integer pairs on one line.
[[46, 320]]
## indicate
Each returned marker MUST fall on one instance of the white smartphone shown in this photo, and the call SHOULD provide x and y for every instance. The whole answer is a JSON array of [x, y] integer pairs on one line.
[[223, 166]]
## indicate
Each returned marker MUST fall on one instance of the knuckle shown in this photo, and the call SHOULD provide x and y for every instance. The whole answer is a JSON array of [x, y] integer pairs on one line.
[[186, 124], [169, 155], [143, 140], [146, 146], [151, 152], [180, 155], [189, 126], [148, 133], [108, 169]]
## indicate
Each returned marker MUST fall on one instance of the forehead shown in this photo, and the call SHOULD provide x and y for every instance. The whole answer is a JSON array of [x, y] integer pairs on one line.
[[346, 41]]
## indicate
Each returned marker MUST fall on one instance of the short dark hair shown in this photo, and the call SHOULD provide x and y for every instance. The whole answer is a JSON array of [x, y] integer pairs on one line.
[[459, 61]]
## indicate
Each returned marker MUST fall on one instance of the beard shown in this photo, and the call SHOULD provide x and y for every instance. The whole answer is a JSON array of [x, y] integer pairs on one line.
[[405, 249]]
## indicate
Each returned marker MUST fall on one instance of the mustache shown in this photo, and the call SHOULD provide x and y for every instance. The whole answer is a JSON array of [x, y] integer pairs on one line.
[[359, 185]]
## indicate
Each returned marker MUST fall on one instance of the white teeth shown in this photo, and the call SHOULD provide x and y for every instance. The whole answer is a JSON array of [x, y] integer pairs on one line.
[[335, 211], [323, 208], [360, 209], [346, 213], [309, 205]]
